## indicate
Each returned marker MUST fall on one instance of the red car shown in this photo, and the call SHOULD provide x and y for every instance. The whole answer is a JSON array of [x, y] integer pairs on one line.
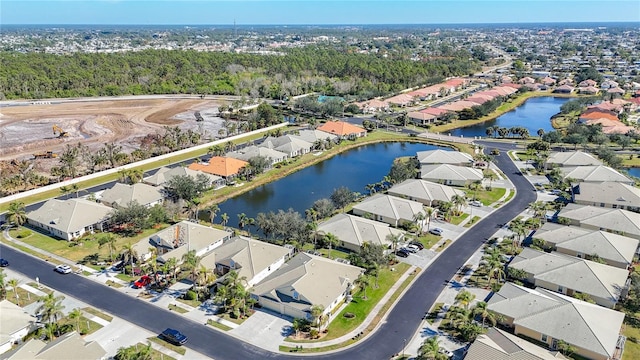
[[142, 282]]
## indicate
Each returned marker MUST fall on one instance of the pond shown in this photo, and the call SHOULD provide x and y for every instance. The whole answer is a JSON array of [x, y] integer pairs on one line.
[[634, 171], [534, 114], [354, 169]]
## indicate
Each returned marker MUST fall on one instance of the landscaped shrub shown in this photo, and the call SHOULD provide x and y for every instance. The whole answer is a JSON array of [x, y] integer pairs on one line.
[[313, 333], [23, 233], [190, 295], [349, 315]]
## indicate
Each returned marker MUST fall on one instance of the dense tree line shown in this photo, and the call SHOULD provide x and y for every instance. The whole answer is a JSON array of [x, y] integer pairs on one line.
[[321, 69]]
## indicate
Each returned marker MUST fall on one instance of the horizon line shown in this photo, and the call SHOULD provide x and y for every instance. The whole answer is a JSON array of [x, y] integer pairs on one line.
[[331, 24]]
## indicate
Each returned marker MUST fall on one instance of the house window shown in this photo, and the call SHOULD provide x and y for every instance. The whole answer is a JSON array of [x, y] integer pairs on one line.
[[601, 204], [296, 295], [543, 338], [579, 255], [614, 206], [560, 289]]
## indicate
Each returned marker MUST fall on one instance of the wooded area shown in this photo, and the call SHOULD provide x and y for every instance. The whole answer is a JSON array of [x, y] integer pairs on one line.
[[298, 71]]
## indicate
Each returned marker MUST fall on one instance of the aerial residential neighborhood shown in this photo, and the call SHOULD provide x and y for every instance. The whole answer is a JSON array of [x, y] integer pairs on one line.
[[435, 189]]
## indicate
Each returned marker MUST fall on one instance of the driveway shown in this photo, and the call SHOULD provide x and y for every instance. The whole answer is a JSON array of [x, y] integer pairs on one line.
[[263, 329]]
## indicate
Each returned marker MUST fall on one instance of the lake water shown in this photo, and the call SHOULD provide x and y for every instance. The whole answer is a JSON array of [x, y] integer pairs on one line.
[[534, 114], [634, 171], [354, 169]]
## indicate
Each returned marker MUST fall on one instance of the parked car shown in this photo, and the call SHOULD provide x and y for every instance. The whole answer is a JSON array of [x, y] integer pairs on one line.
[[118, 266], [412, 248], [417, 243], [436, 231], [448, 353], [402, 253], [3, 263], [142, 282], [63, 269], [475, 203], [173, 336]]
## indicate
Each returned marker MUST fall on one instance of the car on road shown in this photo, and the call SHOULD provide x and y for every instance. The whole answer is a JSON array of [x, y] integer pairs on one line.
[[475, 203], [3, 263], [436, 231], [142, 282], [63, 269], [417, 243], [402, 253], [173, 336]]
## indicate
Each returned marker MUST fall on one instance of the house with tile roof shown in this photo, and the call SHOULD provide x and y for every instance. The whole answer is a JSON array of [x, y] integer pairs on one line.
[[389, 209], [165, 174], [290, 145], [354, 231], [426, 192], [70, 346], [594, 174], [450, 174], [120, 195], [420, 118], [178, 239], [615, 250], [342, 129], [440, 156], [570, 275], [225, 167], [610, 194], [304, 281], [69, 219], [618, 221], [498, 344], [571, 159], [252, 259], [16, 324], [549, 317]]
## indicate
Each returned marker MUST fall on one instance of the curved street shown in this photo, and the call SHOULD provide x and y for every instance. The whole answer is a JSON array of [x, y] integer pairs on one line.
[[400, 324]]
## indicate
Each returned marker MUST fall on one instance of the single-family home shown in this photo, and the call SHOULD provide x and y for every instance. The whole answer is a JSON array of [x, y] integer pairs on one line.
[[373, 106], [354, 231], [608, 84], [498, 344], [563, 89], [571, 159], [177, 240], [16, 324], [587, 83], [69, 219], [165, 174], [304, 281], [594, 174], [389, 209], [570, 275], [70, 346], [444, 157], [401, 100], [615, 250], [592, 330], [343, 130], [288, 144], [252, 259], [618, 221], [450, 174], [271, 155], [313, 136], [225, 167], [610, 194], [426, 192], [120, 195], [589, 90], [421, 118]]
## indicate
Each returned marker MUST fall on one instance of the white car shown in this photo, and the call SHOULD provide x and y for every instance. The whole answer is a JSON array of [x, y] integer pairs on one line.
[[436, 231], [412, 248], [63, 269], [448, 353], [475, 203]]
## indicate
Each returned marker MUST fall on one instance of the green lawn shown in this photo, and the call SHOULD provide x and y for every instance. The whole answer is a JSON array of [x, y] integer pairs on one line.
[[24, 297], [631, 349], [361, 307], [178, 309], [456, 220], [155, 354], [192, 303], [434, 312], [98, 313], [428, 240], [179, 349], [472, 221], [488, 197], [334, 253], [443, 245], [218, 325], [523, 156]]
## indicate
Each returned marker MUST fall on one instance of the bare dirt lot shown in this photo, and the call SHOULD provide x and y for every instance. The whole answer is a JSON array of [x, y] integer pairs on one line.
[[29, 128]]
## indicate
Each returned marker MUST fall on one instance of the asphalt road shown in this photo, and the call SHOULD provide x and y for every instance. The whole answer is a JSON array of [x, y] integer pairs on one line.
[[401, 324]]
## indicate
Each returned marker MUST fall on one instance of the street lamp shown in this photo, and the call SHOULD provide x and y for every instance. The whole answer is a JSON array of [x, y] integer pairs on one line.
[[404, 345]]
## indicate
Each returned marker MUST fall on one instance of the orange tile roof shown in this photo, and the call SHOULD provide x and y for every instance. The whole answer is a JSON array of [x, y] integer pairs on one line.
[[221, 166], [597, 114], [340, 128]]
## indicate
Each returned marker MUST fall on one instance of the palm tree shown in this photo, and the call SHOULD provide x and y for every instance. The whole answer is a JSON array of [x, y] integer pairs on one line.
[[317, 312], [224, 219], [75, 188], [16, 214], [171, 264], [76, 314], [3, 285], [394, 239], [64, 190], [14, 286], [465, 298], [213, 210], [481, 310], [430, 212], [362, 282], [430, 350], [242, 218], [332, 241], [419, 219], [459, 202], [191, 262], [108, 240], [474, 186], [50, 310], [491, 176], [129, 252]]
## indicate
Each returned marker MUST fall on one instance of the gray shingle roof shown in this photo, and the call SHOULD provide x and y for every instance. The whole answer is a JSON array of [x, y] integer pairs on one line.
[[70, 215], [497, 344], [425, 191], [588, 326], [165, 174], [573, 158], [612, 219], [594, 174], [357, 230], [443, 157], [450, 172], [122, 194], [390, 206], [609, 193]]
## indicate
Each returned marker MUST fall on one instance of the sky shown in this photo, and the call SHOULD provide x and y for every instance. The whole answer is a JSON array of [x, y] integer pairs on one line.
[[300, 12]]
